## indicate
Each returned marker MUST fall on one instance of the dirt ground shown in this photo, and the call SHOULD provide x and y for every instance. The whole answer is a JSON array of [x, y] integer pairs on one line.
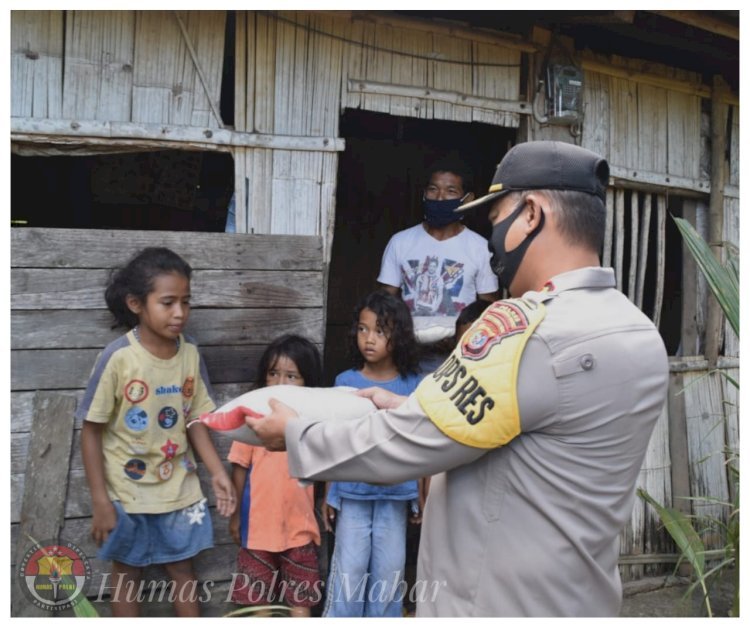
[[665, 597]]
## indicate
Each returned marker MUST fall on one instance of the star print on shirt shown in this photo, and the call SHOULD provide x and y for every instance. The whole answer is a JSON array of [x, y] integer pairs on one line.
[[196, 512], [170, 449]]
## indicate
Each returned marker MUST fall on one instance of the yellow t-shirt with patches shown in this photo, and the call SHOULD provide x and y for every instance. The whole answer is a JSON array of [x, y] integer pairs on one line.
[[471, 398], [145, 403]]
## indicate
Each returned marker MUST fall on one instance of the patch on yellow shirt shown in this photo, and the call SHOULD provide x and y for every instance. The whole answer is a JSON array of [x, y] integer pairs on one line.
[[472, 397]]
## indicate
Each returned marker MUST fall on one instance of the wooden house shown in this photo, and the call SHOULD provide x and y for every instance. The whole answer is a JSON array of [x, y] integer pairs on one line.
[[132, 128]]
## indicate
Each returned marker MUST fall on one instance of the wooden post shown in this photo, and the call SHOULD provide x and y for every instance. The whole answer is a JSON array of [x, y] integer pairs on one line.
[[690, 338], [619, 235], [719, 111], [678, 450], [45, 483]]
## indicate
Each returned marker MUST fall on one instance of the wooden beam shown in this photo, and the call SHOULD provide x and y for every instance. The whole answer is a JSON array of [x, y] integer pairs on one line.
[[719, 112], [82, 131], [661, 255], [657, 181], [699, 363], [702, 21], [610, 17], [437, 26], [455, 98], [41, 247]]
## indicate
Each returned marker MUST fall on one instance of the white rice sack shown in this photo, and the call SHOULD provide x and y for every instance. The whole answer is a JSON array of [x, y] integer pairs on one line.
[[320, 404]]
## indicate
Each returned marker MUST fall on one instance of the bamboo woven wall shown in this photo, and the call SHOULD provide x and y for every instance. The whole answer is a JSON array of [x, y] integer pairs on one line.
[[134, 66]]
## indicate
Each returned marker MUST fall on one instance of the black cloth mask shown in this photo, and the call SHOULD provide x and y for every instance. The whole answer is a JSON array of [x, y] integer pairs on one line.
[[442, 213], [505, 263]]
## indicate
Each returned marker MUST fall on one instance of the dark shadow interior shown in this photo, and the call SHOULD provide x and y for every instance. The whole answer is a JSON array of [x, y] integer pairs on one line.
[[161, 190]]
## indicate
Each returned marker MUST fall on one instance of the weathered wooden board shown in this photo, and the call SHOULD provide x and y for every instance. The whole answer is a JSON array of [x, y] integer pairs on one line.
[[166, 84], [37, 45], [45, 463], [596, 105], [731, 236], [44, 288], [100, 248], [683, 141], [59, 329]]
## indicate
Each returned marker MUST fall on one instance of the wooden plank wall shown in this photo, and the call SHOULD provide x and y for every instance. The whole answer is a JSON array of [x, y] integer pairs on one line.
[[246, 291], [643, 128]]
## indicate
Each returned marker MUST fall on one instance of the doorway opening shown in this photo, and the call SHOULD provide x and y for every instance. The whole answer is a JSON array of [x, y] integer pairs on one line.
[[381, 175]]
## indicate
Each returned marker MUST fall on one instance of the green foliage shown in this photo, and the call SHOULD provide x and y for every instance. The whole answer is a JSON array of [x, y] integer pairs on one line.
[[723, 280]]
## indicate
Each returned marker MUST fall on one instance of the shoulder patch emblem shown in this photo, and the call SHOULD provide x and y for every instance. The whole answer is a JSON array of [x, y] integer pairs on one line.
[[500, 320]]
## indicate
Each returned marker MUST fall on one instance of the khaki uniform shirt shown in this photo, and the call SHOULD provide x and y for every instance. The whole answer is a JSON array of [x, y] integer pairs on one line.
[[531, 528]]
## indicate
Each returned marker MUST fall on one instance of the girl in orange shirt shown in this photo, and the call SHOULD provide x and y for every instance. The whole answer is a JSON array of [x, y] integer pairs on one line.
[[275, 524]]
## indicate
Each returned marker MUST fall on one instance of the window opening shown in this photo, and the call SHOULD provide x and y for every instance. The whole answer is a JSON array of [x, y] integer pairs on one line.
[[160, 190]]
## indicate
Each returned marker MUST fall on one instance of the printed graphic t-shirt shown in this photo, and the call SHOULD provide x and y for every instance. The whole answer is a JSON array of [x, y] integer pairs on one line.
[[145, 403], [438, 278]]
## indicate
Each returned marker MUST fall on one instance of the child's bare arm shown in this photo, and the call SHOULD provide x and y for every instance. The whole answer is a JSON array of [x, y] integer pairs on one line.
[[104, 515], [329, 512], [226, 498], [238, 479]]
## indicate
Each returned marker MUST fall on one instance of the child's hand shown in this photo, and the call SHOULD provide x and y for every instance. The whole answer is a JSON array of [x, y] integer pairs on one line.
[[234, 527], [226, 498], [103, 521], [329, 516]]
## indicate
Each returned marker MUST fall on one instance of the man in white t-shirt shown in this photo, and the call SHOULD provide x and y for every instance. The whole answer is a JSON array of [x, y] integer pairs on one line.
[[438, 266]]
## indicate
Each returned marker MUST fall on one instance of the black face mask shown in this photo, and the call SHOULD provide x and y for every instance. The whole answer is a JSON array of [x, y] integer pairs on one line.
[[505, 263], [441, 213]]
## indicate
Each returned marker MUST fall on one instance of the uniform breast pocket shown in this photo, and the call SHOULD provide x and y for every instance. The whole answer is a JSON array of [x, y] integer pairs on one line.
[[581, 362]]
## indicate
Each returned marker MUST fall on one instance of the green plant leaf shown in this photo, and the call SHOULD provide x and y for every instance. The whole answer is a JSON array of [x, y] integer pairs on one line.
[[722, 280], [682, 531]]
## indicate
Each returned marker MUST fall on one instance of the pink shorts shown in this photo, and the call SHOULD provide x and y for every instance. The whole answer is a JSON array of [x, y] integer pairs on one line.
[[290, 577]]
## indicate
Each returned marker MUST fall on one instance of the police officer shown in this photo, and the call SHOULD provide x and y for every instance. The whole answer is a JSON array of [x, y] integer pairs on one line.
[[537, 423]]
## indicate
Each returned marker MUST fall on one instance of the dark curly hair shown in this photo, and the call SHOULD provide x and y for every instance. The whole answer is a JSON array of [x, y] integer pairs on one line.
[[300, 351], [137, 278], [395, 320]]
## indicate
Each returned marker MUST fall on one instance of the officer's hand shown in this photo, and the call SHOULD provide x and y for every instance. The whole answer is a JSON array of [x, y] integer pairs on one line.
[[270, 429], [383, 399]]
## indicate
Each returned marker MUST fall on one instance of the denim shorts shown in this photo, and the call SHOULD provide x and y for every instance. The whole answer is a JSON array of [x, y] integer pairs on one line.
[[145, 539]]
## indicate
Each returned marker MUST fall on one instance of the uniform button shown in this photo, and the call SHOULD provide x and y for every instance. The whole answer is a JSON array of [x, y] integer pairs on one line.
[[587, 362]]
